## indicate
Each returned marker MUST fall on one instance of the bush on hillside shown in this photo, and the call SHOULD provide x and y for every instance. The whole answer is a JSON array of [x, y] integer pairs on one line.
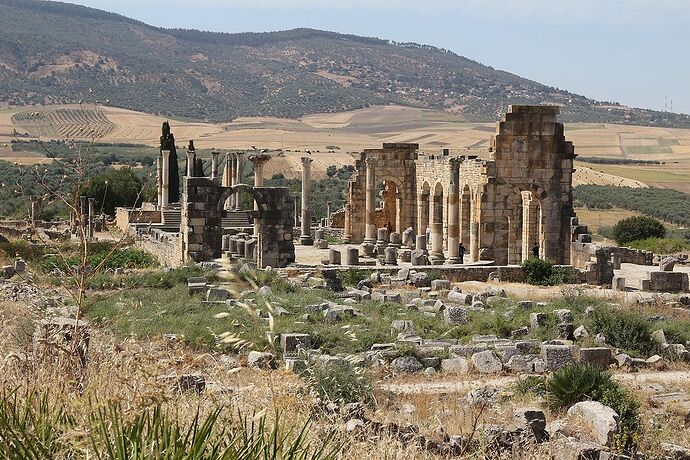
[[637, 228]]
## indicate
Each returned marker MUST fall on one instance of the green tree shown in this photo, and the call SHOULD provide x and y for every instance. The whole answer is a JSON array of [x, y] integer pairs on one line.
[[331, 171], [117, 188], [637, 228], [168, 143]]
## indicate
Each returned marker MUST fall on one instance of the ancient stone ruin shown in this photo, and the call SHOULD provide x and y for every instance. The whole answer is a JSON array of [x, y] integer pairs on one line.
[[501, 209]]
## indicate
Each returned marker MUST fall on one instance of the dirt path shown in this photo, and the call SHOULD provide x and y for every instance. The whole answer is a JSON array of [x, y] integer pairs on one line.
[[463, 386]]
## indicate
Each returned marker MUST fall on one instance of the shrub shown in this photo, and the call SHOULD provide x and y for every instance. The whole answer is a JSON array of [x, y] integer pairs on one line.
[[337, 381], [543, 273], [352, 276], [623, 329], [33, 428], [637, 228], [661, 245], [575, 383], [531, 385], [582, 382]]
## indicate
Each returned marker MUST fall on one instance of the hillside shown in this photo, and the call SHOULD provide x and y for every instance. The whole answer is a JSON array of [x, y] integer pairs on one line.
[[53, 52]]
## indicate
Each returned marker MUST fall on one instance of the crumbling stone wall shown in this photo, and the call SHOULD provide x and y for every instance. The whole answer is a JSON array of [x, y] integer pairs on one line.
[[516, 202], [395, 163], [203, 203]]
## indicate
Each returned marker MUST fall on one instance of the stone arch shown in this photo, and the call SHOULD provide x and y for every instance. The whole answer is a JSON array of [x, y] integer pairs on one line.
[[532, 225], [397, 216]]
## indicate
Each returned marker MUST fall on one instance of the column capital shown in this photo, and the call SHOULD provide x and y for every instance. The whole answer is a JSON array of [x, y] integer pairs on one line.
[[306, 161], [454, 162], [259, 158], [165, 153], [370, 161]]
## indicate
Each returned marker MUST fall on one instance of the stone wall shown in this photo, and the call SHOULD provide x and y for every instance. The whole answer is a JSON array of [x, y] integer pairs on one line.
[[203, 204], [393, 164], [502, 209], [126, 216], [166, 247]]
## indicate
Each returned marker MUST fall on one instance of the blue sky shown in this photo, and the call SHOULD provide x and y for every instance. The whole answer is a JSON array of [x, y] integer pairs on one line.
[[631, 51]]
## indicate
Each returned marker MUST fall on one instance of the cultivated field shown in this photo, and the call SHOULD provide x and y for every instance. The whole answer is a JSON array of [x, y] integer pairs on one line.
[[337, 138]]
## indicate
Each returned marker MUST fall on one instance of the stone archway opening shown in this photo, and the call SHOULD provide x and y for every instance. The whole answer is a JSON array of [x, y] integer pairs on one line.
[[389, 206], [532, 226]]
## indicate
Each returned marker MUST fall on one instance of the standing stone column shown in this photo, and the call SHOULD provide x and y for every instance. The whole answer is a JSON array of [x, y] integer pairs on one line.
[[328, 213], [83, 210], [437, 257], [370, 222], [347, 231], [227, 181], [34, 211], [306, 238], [259, 160], [474, 229], [191, 158], [165, 184], [297, 210], [91, 217], [159, 180], [238, 181], [454, 212], [214, 165]]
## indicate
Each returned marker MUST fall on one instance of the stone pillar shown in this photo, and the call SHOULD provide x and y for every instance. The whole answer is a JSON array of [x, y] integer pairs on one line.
[[334, 257], [328, 213], [238, 180], [227, 181], [83, 210], [474, 229], [191, 158], [306, 238], [391, 256], [165, 183], [370, 222], [159, 180], [347, 232], [454, 212], [231, 181], [437, 257], [259, 161], [34, 211], [420, 243], [297, 211], [214, 165], [91, 217], [352, 256], [381, 240]]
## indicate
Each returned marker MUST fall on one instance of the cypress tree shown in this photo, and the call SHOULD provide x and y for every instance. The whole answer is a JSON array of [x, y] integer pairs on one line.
[[199, 168], [168, 143]]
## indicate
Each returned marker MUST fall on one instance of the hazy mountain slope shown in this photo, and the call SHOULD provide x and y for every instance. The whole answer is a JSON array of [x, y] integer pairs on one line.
[[57, 52]]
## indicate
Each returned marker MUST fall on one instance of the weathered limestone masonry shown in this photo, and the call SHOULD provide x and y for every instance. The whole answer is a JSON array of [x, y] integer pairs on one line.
[[203, 204], [394, 166], [502, 209]]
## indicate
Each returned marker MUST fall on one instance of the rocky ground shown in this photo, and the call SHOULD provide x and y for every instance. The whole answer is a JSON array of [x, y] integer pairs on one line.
[[441, 386]]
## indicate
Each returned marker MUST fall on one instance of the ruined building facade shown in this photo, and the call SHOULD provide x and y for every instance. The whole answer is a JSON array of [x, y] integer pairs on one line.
[[514, 202]]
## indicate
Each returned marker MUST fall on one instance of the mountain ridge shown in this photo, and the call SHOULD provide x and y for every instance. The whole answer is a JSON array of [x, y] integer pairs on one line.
[[54, 52]]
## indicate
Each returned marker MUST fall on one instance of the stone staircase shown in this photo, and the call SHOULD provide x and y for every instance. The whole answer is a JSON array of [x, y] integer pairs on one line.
[[172, 218], [237, 219]]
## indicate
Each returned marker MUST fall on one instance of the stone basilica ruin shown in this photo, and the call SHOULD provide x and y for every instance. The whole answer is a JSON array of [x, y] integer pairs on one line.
[[499, 209], [465, 212]]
